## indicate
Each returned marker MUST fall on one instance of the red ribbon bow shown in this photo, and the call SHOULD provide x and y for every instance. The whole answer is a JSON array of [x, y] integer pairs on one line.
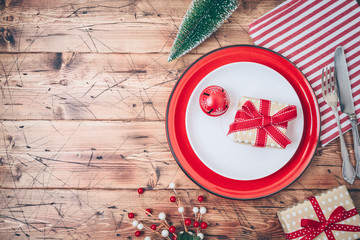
[[311, 228], [248, 117]]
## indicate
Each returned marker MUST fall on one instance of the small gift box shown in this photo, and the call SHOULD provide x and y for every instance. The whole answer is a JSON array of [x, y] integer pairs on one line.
[[262, 123], [330, 215]]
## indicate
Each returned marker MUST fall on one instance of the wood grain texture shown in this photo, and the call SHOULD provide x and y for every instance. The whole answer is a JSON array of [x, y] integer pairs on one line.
[[88, 86], [126, 26], [84, 87]]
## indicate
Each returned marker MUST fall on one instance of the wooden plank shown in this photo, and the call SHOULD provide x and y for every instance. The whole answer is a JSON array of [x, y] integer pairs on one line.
[[87, 86], [102, 214], [115, 154], [127, 26], [110, 154]]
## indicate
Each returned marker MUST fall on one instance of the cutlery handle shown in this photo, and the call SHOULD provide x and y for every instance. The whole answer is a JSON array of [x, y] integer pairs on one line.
[[348, 171], [355, 133]]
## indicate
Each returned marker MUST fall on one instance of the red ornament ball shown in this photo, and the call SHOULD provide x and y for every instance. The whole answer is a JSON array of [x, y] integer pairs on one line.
[[174, 238], [200, 198], [148, 210], [214, 101], [131, 215], [172, 199], [137, 233], [204, 225], [187, 222], [196, 224], [140, 190], [153, 227], [172, 229]]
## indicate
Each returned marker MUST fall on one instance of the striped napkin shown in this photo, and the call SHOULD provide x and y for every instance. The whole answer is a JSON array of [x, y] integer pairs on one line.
[[307, 32]]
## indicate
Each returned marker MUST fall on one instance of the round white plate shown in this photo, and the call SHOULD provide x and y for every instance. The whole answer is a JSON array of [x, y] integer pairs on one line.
[[208, 135]]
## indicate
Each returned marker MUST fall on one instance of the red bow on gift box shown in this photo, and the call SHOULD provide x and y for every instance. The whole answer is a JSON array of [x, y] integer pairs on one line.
[[248, 117], [311, 228]]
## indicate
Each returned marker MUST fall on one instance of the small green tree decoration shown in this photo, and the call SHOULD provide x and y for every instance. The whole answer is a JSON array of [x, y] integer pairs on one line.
[[202, 19]]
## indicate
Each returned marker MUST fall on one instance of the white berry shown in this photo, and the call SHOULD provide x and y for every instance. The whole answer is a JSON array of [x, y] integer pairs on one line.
[[200, 235], [140, 226], [165, 233], [190, 232], [147, 238], [162, 216], [195, 209], [202, 210], [181, 209], [135, 223], [172, 185]]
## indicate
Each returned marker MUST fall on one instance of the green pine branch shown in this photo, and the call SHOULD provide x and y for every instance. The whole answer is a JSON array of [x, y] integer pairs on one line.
[[187, 236], [202, 19]]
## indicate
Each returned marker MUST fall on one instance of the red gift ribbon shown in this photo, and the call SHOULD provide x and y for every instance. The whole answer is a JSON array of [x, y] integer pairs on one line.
[[248, 117], [311, 228]]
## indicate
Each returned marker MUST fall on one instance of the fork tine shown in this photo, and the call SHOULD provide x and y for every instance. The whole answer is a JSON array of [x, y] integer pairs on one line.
[[322, 83], [328, 79], [335, 81], [332, 79]]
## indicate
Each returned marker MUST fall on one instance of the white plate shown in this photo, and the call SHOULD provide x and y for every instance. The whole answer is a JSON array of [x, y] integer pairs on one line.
[[207, 135]]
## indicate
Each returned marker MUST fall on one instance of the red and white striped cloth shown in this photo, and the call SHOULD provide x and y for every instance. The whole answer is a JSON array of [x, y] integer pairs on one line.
[[307, 32]]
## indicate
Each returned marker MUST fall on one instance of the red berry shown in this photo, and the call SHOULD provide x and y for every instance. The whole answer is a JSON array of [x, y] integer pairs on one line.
[[204, 225], [137, 233], [131, 215], [187, 222], [140, 190], [196, 224], [148, 210], [172, 229], [174, 238], [153, 227], [172, 199], [200, 198]]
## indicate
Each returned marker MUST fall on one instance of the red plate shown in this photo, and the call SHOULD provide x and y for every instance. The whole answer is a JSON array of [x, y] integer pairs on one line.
[[189, 162]]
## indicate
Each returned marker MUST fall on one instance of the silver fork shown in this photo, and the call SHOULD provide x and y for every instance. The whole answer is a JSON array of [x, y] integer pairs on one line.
[[329, 91]]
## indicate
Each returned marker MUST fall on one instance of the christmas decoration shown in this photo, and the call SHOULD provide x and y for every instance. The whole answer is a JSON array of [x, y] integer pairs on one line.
[[331, 215], [140, 190], [162, 228], [214, 101], [202, 19], [261, 123]]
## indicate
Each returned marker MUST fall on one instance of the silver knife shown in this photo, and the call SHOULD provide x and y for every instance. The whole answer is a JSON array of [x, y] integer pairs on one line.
[[346, 99]]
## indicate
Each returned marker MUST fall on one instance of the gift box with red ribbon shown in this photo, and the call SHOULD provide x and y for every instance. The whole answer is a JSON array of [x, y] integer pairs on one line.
[[262, 123], [330, 215]]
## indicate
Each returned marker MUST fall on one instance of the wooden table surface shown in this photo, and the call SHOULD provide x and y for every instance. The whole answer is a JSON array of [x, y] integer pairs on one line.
[[84, 88]]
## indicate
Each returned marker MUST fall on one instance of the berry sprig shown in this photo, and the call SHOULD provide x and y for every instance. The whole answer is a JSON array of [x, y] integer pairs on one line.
[[187, 221], [163, 228], [203, 210], [137, 222]]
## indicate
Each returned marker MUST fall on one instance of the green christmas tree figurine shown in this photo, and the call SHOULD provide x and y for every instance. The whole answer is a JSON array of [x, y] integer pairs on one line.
[[202, 19]]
